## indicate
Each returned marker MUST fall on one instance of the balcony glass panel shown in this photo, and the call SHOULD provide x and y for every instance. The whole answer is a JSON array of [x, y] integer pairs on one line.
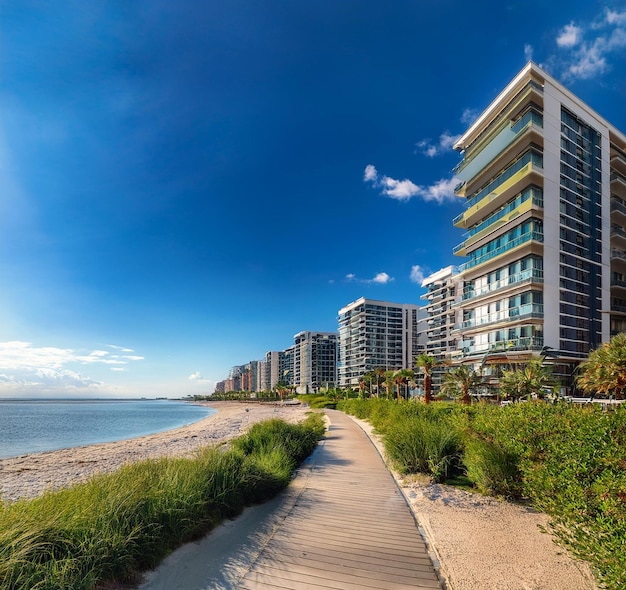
[[530, 275], [527, 343], [468, 168], [488, 252], [513, 314]]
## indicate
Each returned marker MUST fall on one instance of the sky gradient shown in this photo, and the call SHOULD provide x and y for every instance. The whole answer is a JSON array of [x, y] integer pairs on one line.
[[186, 185]]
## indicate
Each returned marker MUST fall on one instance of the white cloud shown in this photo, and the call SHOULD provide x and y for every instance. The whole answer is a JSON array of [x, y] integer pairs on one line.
[[196, 377], [370, 175], [445, 144], [569, 36], [46, 369], [469, 116], [417, 274], [528, 52], [403, 190], [381, 278], [120, 348], [586, 50]]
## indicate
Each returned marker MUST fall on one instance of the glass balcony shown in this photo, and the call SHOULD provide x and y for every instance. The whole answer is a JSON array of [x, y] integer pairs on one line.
[[524, 238], [512, 314], [531, 275], [529, 157], [515, 344], [620, 254], [474, 163], [618, 231], [618, 206]]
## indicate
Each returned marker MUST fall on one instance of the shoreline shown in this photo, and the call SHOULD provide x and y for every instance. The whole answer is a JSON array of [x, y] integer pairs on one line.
[[28, 476]]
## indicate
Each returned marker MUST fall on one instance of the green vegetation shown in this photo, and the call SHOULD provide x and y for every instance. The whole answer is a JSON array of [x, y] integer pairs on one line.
[[605, 370], [116, 525], [568, 461]]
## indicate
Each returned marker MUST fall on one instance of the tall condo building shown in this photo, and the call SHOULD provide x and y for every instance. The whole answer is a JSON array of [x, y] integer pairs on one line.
[[376, 334], [544, 177], [315, 361]]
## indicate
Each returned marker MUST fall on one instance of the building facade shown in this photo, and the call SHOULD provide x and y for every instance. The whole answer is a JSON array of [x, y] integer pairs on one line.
[[315, 361], [376, 334], [544, 177]]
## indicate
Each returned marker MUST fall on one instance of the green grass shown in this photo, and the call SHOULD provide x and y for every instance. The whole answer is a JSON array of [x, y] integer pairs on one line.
[[116, 525]]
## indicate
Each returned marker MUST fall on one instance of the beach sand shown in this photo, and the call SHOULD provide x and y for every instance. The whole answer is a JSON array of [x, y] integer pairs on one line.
[[478, 543]]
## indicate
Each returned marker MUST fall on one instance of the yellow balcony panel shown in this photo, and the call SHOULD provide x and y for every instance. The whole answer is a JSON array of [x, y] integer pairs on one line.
[[517, 212], [529, 174]]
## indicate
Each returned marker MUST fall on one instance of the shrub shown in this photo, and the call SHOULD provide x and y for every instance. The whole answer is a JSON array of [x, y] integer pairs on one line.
[[493, 470]]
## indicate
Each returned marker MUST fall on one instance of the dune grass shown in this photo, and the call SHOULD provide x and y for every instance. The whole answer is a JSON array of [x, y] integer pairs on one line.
[[116, 525]]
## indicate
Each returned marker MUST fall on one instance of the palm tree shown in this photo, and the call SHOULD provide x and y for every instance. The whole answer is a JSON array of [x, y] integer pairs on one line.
[[605, 370], [528, 380], [460, 382], [400, 378], [426, 362]]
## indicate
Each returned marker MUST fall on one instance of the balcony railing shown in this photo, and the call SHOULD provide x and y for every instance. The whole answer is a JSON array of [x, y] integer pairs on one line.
[[617, 230], [615, 253], [527, 343], [527, 237], [526, 276], [512, 314], [618, 206]]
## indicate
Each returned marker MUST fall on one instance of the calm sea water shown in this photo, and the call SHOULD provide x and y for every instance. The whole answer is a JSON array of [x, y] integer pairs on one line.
[[32, 426]]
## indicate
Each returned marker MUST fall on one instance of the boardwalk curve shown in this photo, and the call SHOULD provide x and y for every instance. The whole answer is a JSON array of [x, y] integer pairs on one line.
[[343, 524]]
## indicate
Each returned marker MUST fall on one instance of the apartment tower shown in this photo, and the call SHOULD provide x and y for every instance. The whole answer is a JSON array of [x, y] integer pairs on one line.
[[376, 334], [544, 177]]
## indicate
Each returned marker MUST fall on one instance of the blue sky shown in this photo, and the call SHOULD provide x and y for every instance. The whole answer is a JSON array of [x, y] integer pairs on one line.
[[186, 185]]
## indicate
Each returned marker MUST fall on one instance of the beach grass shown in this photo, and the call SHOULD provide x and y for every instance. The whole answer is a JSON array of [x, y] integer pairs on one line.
[[116, 525]]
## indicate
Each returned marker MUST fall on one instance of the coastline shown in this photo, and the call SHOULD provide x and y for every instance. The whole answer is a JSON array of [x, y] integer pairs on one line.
[[28, 476]]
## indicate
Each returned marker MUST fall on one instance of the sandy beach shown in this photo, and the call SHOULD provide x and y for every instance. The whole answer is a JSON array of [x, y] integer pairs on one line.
[[478, 543]]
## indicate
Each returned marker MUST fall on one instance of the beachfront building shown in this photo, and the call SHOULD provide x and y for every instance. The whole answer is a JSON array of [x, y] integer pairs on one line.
[[376, 334], [314, 361], [544, 177], [442, 288]]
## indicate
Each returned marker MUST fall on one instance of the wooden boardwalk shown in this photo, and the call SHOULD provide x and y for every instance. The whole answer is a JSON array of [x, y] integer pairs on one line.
[[342, 524], [349, 528]]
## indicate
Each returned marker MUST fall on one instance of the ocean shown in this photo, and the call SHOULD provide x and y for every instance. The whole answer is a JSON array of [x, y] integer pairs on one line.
[[32, 426]]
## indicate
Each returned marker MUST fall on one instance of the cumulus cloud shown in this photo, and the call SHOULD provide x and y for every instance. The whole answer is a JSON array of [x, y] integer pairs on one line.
[[586, 50], [569, 36], [196, 377], [469, 116], [444, 145], [381, 278], [417, 274], [403, 190], [45, 369]]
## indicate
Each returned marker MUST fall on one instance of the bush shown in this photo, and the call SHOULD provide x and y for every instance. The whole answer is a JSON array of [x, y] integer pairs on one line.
[[493, 470]]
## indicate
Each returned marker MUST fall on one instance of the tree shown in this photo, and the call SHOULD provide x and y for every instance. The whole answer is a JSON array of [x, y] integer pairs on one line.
[[605, 370], [528, 380], [425, 363], [460, 382], [400, 378]]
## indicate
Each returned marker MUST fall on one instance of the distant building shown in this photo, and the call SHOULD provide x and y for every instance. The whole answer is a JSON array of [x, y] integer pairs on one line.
[[314, 361], [376, 334], [544, 177]]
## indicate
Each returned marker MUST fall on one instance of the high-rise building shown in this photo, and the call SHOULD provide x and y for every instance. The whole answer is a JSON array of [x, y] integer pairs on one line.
[[376, 334], [442, 288], [544, 177], [315, 361]]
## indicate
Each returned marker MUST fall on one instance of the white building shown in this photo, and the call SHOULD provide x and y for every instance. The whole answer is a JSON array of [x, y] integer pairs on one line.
[[376, 334], [544, 177], [315, 361]]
